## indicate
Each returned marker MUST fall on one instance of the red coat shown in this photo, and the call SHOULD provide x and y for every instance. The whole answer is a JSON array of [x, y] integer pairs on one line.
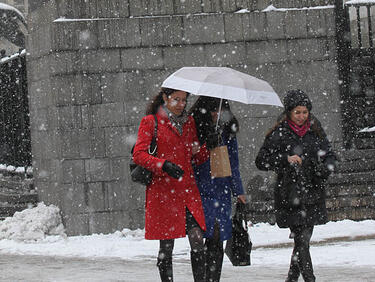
[[166, 197]]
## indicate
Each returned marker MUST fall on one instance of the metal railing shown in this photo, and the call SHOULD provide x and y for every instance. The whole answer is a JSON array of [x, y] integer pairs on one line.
[[361, 18], [15, 145]]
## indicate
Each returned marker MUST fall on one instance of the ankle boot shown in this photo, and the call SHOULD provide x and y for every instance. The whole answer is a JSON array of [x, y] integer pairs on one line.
[[165, 269], [198, 265], [214, 264]]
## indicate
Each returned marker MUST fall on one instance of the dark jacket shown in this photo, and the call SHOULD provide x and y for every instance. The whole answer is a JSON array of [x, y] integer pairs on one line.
[[299, 190], [216, 192]]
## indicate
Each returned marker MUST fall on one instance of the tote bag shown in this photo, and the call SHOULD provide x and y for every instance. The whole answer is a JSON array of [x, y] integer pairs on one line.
[[219, 161], [238, 248]]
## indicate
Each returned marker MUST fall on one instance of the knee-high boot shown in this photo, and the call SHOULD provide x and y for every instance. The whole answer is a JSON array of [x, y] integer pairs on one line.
[[198, 265], [214, 263], [294, 271], [165, 269]]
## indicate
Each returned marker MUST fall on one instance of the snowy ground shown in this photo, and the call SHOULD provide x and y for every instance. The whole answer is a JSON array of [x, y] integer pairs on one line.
[[38, 231]]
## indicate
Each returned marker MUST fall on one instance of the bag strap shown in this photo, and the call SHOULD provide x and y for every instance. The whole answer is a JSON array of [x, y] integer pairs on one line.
[[241, 214], [153, 145]]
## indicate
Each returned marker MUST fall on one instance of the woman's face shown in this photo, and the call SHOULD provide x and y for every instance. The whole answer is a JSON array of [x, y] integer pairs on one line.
[[176, 102], [214, 116], [299, 115]]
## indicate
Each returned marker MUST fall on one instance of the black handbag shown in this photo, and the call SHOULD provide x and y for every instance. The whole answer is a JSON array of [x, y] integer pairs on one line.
[[238, 248], [138, 173]]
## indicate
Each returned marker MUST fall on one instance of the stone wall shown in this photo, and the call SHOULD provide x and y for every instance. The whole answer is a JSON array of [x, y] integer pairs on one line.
[[94, 65]]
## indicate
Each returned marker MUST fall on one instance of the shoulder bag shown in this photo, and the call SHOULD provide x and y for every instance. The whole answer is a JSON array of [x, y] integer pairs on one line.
[[138, 173]]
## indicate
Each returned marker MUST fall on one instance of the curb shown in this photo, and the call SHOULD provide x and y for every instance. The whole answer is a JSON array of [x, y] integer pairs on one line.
[[319, 243]]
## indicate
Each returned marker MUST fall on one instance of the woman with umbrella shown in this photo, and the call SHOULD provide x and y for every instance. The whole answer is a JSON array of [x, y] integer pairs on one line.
[[216, 192], [298, 150], [173, 205]]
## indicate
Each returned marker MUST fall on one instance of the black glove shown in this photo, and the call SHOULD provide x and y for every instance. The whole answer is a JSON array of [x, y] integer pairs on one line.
[[319, 168], [212, 140], [172, 169]]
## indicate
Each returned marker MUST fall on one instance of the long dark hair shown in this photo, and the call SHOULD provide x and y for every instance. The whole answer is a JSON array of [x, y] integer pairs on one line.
[[201, 112], [157, 101]]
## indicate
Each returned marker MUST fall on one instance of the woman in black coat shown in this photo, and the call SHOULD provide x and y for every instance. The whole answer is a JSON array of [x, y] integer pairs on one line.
[[298, 150]]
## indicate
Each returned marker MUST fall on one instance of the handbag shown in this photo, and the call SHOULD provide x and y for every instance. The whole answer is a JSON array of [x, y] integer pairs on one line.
[[219, 162], [138, 173], [238, 248]]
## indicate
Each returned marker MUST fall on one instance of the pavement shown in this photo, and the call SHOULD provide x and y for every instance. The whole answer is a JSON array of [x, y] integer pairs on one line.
[[57, 269]]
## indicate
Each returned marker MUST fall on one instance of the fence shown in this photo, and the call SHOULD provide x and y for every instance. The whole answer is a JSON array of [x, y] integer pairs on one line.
[[357, 67], [15, 147]]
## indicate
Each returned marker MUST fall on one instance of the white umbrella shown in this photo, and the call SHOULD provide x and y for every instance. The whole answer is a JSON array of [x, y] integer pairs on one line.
[[224, 83]]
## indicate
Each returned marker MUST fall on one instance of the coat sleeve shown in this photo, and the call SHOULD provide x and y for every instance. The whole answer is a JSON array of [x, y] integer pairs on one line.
[[237, 187], [270, 155], [203, 154], [327, 159], [140, 154]]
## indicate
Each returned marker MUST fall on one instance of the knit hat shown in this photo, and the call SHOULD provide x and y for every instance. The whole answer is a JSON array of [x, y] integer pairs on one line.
[[296, 98]]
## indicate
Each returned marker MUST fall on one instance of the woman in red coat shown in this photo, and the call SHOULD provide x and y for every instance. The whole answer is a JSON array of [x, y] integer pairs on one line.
[[173, 204]]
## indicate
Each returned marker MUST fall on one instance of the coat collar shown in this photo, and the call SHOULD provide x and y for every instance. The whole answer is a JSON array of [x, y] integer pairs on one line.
[[162, 114]]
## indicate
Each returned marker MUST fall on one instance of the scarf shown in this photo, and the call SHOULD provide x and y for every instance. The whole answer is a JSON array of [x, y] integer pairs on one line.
[[299, 130], [177, 121]]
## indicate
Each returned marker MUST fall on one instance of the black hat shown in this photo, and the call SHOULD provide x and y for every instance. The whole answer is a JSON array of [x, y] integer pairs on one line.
[[296, 98]]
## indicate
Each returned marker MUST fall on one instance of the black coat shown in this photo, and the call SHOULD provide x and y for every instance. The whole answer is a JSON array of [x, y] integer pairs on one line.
[[300, 191]]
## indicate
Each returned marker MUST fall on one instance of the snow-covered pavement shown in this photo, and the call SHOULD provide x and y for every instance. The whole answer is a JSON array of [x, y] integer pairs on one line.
[[267, 265], [34, 247]]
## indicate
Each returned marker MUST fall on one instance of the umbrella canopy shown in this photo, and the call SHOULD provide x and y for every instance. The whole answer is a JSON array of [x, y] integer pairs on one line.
[[224, 83]]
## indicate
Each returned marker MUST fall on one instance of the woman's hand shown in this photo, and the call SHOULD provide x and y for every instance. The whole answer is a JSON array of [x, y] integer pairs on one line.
[[172, 169], [241, 199], [295, 159]]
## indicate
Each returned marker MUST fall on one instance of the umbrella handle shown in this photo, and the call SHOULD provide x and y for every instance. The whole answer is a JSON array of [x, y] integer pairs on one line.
[[218, 114]]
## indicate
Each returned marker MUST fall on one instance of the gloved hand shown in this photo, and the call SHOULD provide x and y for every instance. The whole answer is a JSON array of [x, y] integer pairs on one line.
[[172, 169], [212, 140], [319, 168], [322, 170]]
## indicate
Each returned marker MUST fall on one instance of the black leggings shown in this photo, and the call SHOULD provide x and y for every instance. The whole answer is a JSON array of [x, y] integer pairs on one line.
[[195, 235], [301, 259]]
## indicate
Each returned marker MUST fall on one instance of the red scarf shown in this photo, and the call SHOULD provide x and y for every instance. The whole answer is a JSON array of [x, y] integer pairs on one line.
[[299, 130]]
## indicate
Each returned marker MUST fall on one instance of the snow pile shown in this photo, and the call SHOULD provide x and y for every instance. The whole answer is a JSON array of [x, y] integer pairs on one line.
[[360, 2], [33, 224], [272, 8], [368, 129], [20, 169]]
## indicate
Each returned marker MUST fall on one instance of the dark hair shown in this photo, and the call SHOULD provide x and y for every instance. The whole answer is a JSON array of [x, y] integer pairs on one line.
[[201, 112], [157, 101]]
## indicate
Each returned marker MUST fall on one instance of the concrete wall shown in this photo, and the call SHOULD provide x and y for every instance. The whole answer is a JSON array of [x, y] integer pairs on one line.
[[90, 79]]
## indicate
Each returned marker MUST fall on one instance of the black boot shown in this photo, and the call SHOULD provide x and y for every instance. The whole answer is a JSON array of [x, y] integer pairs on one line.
[[306, 268], [165, 269], [214, 263], [294, 272], [198, 265]]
